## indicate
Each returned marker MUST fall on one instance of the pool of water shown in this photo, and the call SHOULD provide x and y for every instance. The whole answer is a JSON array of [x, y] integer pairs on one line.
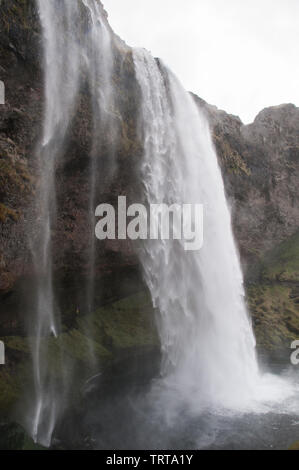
[[125, 414]]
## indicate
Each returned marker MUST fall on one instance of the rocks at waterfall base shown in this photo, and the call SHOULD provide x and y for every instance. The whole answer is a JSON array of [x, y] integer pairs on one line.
[[260, 165]]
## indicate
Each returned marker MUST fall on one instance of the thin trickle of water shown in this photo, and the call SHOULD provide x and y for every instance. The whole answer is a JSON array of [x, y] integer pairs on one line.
[[206, 335], [62, 78], [66, 58], [99, 60]]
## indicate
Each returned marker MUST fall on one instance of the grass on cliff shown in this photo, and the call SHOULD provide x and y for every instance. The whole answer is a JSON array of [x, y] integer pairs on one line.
[[233, 160], [274, 298], [282, 264], [275, 315]]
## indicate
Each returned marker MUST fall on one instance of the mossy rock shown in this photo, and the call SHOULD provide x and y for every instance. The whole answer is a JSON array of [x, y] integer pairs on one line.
[[122, 327], [128, 323], [282, 263], [6, 212], [14, 437], [275, 315], [274, 298], [233, 161], [14, 374]]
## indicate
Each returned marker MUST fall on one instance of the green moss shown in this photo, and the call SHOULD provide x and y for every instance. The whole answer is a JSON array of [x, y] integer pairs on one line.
[[13, 378], [282, 263], [15, 373], [14, 437], [17, 343], [99, 337], [275, 315], [124, 324], [9, 391], [233, 161], [29, 444], [76, 346], [274, 298]]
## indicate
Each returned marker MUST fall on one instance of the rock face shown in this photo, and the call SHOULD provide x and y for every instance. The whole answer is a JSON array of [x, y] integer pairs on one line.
[[260, 165], [116, 267], [20, 120]]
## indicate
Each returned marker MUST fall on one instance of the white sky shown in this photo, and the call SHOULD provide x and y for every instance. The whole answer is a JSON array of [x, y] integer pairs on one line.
[[241, 55]]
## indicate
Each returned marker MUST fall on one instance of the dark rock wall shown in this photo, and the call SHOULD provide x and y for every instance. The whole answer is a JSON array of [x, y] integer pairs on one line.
[[116, 267], [20, 127]]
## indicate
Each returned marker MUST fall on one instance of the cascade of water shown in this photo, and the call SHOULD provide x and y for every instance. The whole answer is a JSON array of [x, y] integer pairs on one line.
[[66, 57], [62, 78], [99, 60], [206, 335]]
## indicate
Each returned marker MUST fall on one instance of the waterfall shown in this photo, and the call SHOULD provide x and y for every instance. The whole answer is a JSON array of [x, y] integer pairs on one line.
[[207, 339], [206, 334], [61, 85], [98, 58], [67, 57]]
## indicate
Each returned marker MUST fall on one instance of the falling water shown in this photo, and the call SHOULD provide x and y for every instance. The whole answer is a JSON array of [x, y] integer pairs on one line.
[[207, 338], [62, 78], [67, 58], [99, 60], [206, 335]]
